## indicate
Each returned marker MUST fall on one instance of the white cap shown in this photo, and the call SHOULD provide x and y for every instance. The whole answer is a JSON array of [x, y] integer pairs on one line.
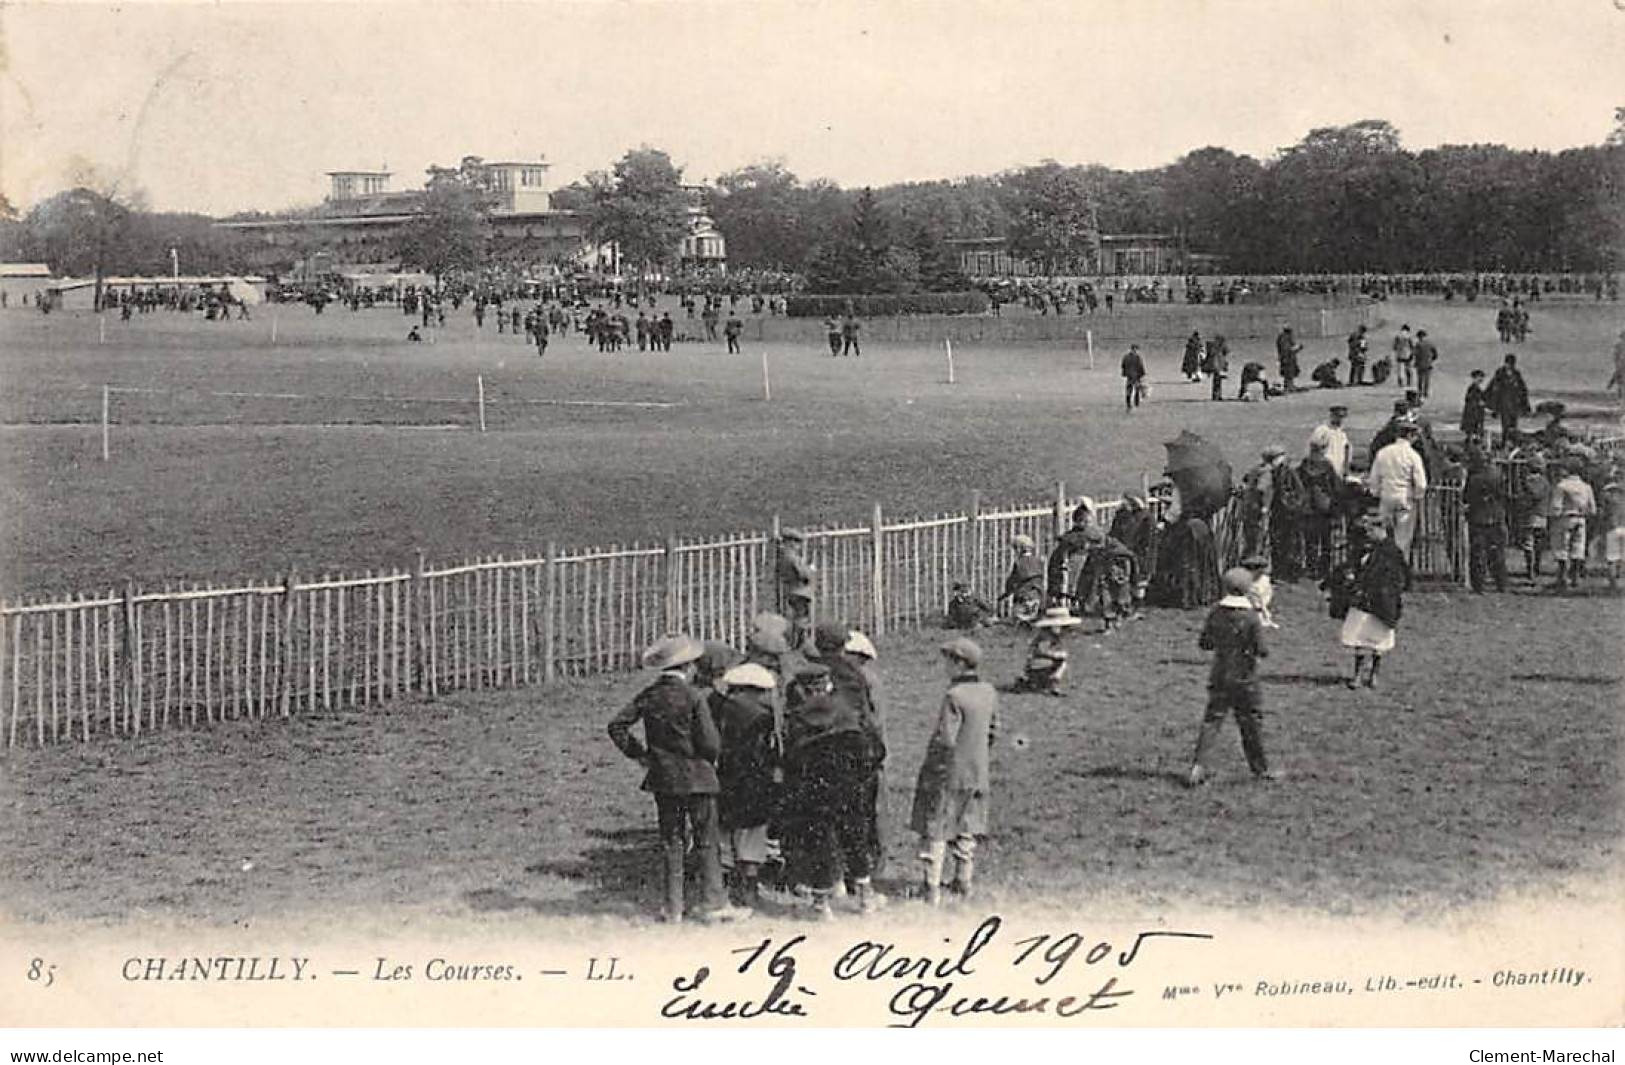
[[859, 644], [749, 675]]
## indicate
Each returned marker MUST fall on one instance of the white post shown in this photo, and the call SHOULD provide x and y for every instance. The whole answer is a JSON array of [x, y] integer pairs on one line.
[[101, 328], [273, 325], [948, 345], [1089, 338], [106, 399], [479, 382], [767, 384]]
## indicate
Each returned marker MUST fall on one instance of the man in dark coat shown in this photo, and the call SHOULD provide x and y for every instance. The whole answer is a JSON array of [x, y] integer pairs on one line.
[[1322, 492], [1191, 364], [1287, 348], [1424, 356], [1508, 397], [1484, 498], [1474, 406], [1357, 349], [1216, 365], [1133, 377], [678, 752]]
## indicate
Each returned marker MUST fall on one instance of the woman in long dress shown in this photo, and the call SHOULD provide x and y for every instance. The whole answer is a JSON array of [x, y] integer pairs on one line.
[[1375, 602]]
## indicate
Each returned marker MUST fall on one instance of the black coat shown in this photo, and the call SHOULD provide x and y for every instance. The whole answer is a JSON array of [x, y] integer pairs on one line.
[[681, 742], [746, 768]]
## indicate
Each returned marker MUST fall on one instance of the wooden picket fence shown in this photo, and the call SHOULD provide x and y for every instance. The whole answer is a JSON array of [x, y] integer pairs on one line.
[[126, 662]]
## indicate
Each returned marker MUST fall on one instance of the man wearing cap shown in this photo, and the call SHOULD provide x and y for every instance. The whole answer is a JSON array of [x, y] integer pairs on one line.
[[1474, 407], [1287, 348], [1133, 377], [1357, 348], [678, 752], [1323, 491], [1425, 355], [1508, 397], [1399, 480], [1334, 438], [795, 583], [952, 792], [1404, 352], [1485, 501]]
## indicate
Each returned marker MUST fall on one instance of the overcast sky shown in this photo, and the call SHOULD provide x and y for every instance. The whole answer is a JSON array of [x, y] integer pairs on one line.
[[222, 107]]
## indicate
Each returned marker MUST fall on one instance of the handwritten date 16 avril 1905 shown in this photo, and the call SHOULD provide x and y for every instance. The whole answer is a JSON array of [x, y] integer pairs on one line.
[[918, 987]]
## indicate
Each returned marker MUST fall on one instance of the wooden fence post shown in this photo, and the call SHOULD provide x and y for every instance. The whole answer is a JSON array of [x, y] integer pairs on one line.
[[977, 546], [668, 572], [550, 594], [773, 565], [877, 575], [131, 695], [422, 677], [285, 677], [1060, 508]]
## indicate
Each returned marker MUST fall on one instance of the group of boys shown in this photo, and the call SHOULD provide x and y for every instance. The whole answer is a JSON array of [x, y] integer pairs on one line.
[[774, 758]]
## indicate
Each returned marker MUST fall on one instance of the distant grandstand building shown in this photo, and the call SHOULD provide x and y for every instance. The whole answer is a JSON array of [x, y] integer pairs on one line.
[[1112, 255], [357, 228]]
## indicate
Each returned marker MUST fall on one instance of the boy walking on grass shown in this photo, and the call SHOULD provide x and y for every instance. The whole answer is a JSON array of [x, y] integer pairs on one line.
[[679, 752], [1235, 635], [951, 795]]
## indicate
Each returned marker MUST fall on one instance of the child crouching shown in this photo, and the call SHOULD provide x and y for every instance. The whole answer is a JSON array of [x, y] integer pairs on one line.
[[1047, 657]]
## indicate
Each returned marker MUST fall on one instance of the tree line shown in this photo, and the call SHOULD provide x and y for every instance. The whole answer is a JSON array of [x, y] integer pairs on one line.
[[1344, 199]]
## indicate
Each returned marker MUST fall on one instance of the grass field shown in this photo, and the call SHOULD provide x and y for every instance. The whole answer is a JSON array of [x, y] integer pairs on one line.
[[1489, 762], [207, 487]]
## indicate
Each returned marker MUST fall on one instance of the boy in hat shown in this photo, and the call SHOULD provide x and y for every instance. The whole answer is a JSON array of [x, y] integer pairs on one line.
[[965, 609], [1047, 656], [828, 762], [679, 752], [1024, 584], [747, 773], [1261, 593], [860, 651], [1235, 635], [952, 793]]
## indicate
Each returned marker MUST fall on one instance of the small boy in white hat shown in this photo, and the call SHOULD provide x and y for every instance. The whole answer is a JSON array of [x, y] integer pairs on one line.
[[1047, 656]]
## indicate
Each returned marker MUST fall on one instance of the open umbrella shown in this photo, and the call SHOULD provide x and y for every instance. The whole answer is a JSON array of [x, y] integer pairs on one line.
[[243, 292], [1200, 472]]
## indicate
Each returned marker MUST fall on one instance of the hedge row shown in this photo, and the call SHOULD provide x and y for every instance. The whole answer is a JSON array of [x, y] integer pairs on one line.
[[889, 305]]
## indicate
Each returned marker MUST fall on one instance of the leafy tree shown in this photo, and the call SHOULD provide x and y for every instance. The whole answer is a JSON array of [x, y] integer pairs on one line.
[[80, 231], [760, 210], [641, 206], [1052, 216], [448, 234]]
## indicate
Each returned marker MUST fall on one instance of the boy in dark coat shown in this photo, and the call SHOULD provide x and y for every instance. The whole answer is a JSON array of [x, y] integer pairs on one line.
[[679, 753], [1235, 635], [1484, 499], [746, 771], [965, 609], [827, 764]]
